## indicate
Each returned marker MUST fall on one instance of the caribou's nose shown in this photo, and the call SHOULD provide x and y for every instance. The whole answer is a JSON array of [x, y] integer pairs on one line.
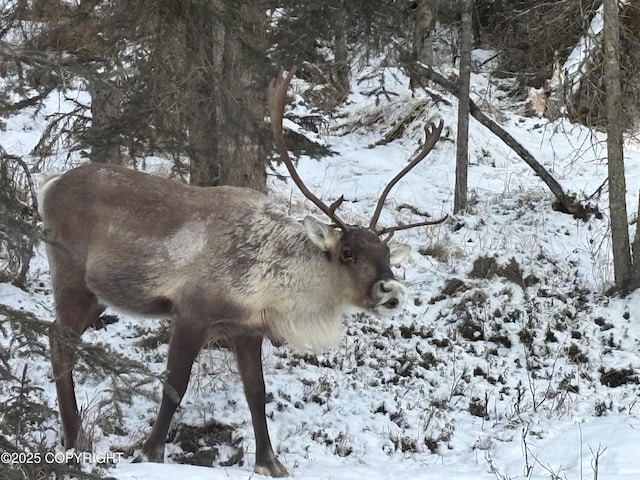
[[390, 295]]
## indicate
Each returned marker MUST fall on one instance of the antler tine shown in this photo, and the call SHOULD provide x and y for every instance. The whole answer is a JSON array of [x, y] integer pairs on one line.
[[277, 94], [392, 230], [432, 133]]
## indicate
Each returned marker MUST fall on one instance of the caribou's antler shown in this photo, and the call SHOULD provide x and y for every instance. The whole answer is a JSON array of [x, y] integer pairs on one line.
[[277, 94], [432, 133], [392, 230]]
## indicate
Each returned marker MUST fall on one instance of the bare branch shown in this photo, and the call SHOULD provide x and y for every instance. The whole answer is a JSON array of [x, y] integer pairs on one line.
[[565, 203]]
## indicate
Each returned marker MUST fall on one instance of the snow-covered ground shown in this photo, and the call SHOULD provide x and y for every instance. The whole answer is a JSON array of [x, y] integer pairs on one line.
[[501, 367]]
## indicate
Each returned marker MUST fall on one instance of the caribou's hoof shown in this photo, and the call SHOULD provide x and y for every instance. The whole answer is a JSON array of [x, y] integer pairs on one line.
[[145, 456], [272, 469]]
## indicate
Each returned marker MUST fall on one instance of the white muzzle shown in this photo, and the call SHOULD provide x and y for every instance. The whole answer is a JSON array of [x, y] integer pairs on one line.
[[389, 296]]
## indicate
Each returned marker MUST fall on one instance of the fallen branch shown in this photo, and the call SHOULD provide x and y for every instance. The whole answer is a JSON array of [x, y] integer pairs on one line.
[[564, 203]]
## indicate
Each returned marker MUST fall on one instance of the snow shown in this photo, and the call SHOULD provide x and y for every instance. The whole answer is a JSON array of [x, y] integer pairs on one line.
[[415, 396]]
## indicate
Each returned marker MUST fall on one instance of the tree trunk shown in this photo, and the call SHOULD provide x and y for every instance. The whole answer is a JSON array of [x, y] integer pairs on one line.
[[105, 111], [424, 12], [617, 185], [464, 81], [225, 123], [341, 52]]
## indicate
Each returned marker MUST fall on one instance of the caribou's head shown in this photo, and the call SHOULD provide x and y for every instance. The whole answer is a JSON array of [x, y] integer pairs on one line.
[[363, 264], [362, 258]]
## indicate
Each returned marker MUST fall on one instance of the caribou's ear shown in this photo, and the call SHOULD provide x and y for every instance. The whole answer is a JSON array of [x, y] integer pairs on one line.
[[322, 235], [399, 253]]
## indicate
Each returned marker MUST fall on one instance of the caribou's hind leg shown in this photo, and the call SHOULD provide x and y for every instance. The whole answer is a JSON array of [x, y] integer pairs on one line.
[[76, 308], [248, 351]]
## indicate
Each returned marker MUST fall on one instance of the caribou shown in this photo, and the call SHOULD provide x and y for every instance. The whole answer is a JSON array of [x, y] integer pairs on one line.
[[224, 263]]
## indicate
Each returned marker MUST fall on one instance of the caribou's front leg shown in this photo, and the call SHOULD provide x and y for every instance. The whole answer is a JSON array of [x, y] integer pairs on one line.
[[186, 341], [248, 351]]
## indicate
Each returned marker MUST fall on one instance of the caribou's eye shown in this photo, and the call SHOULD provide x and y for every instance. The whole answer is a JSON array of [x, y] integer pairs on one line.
[[346, 255]]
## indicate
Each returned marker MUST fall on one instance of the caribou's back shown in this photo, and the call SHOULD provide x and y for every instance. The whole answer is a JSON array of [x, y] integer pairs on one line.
[[121, 201], [153, 246]]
